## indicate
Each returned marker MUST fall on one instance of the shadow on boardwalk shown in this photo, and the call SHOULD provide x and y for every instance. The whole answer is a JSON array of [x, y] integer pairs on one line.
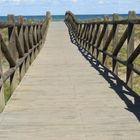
[[121, 89]]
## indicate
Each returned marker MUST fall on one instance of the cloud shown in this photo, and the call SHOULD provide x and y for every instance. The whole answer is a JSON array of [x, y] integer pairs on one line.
[[60, 6], [74, 1], [101, 2], [16, 1]]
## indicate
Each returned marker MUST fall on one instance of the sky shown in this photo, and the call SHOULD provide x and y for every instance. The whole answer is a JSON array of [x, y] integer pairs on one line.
[[59, 7]]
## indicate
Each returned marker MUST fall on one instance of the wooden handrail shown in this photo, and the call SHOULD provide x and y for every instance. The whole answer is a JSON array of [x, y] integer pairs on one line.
[[89, 36], [24, 43]]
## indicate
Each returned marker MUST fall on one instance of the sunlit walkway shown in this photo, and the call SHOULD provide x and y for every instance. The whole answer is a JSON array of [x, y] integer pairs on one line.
[[63, 98]]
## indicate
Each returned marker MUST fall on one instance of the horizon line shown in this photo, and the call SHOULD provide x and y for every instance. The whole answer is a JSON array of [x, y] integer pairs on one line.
[[74, 14]]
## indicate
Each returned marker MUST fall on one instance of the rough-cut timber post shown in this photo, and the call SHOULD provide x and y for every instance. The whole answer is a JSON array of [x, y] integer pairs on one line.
[[130, 46], [115, 41], [22, 68], [105, 36], [91, 38], [14, 78], [2, 98], [43, 28], [26, 46], [98, 35], [31, 43]]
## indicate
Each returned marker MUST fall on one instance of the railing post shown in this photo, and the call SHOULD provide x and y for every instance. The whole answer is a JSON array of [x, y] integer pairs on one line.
[[88, 37], [36, 40], [2, 97], [81, 34], [31, 43], [98, 36], [26, 46], [130, 47], [84, 38], [39, 36], [91, 38], [38, 33], [12, 46], [115, 41], [22, 68], [105, 38], [34, 28], [44, 26], [94, 37]]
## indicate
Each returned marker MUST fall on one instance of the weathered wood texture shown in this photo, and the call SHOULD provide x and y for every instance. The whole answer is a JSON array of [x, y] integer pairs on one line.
[[67, 100], [97, 35], [24, 43]]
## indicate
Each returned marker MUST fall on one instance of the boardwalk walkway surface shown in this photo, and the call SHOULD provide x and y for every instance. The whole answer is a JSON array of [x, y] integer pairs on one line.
[[63, 98]]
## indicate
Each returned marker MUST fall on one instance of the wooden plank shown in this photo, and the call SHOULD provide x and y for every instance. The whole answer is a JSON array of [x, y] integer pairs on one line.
[[68, 99]]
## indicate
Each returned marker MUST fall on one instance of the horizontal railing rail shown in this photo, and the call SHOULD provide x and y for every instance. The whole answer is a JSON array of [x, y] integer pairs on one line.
[[97, 36], [23, 43]]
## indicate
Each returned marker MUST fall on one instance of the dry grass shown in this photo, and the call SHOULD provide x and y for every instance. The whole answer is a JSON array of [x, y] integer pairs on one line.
[[123, 55]]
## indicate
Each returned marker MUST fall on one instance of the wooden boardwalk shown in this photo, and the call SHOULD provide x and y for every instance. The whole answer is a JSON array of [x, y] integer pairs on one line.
[[62, 97]]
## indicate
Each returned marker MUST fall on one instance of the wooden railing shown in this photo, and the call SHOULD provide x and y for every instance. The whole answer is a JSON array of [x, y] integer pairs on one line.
[[97, 36], [23, 43]]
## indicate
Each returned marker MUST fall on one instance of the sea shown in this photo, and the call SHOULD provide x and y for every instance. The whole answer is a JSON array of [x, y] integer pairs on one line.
[[61, 17]]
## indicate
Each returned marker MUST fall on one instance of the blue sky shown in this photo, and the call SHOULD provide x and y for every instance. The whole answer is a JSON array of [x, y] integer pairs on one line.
[[39, 7]]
